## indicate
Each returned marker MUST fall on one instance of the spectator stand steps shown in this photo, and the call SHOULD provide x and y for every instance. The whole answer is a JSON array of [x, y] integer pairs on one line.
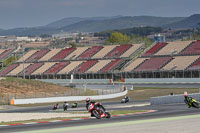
[[37, 55], [8, 69], [118, 51], [90, 52], [31, 68], [192, 49], [57, 67], [62, 54]]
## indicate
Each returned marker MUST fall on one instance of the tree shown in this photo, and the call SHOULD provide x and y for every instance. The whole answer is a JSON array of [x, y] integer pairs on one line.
[[118, 38], [72, 44]]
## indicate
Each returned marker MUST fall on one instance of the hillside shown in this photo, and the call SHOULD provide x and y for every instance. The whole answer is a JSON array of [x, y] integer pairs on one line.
[[190, 22], [120, 23], [72, 20], [34, 31], [97, 24], [142, 31]]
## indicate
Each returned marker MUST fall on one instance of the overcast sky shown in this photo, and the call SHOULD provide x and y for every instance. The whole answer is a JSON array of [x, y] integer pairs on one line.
[[29, 13]]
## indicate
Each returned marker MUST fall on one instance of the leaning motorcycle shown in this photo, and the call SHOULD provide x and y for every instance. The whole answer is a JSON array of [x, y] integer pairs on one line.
[[97, 110], [125, 100], [194, 103]]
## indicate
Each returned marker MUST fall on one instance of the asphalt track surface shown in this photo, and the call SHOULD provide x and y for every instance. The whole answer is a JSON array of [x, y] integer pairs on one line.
[[163, 111]]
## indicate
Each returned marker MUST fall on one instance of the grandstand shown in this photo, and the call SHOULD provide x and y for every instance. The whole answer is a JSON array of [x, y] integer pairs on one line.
[[4, 53], [172, 59], [180, 58]]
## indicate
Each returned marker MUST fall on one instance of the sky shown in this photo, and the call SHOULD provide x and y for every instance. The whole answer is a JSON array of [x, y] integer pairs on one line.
[[30, 13]]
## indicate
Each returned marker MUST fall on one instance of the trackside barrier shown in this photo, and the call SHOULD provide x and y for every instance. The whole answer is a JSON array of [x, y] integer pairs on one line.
[[162, 80], [172, 99], [60, 99], [127, 80], [75, 81]]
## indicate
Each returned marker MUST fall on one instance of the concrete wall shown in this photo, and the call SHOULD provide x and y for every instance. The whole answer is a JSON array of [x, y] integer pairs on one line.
[[130, 80], [172, 99], [75, 81], [70, 98], [163, 80]]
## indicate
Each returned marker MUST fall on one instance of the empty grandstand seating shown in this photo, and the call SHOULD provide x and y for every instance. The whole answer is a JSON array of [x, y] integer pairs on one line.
[[62, 54], [8, 69], [6, 53], [43, 68], [104, 51], [2, 50], [195, 65], [180, 62], [69, 68], [98, 66], [85, 66], [31, 68], [134, 64], [154, 49], [131, 50], [18, 69], [27, 55], [173, 48], [76, 53], [57, 67], [194, 48], [153, 64], [37, 55], [90, 52], [119, 50], [112, 65], [50, 54]]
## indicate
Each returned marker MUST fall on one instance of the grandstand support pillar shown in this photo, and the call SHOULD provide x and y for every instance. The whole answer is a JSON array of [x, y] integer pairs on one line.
[[23, 64]]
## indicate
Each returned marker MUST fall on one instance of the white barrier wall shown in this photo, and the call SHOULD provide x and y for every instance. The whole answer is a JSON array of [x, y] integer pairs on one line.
[[172, 99], [70, 98]]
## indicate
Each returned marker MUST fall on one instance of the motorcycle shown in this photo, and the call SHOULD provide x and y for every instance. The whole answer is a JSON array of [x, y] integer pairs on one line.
[[194, 103], [65, 106], [125, 100], [55, 107], [75, 105], [96, 110]]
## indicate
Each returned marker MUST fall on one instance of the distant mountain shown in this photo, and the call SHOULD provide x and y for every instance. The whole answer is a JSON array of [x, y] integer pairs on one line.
[[120, 23], [34, 31], [72, 20], [189, 22], [97, 24]]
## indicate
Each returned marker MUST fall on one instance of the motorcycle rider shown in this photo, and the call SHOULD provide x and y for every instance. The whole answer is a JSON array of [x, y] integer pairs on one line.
[[65, 106], [88, 102], [56, 106], [188, 100], [126, 98]]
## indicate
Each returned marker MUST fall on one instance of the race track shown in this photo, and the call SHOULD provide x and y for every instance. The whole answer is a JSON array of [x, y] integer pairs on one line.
[[167, 118], [163, 111]]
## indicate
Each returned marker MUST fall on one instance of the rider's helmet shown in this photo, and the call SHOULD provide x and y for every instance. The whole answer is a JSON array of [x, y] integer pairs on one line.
[[87, 99], [186, 96]]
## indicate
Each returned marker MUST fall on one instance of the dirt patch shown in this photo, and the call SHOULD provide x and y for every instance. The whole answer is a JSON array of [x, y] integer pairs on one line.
[[25, 88]]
